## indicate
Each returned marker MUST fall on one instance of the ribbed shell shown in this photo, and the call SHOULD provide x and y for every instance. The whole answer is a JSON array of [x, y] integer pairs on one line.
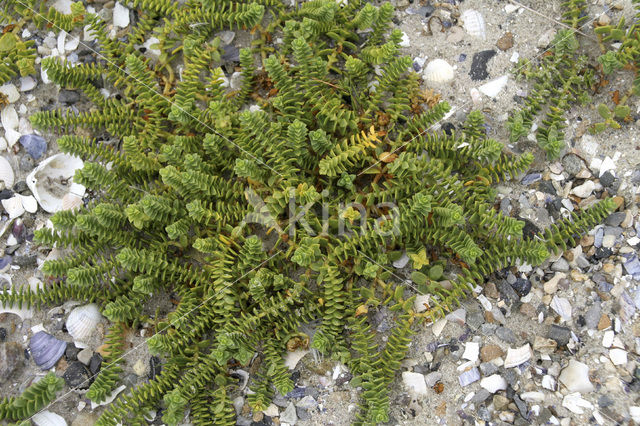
[[438, 72], [473, 23], [82, 321]]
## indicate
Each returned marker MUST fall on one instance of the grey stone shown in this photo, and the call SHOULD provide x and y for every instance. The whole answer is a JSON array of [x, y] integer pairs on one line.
[[560, 265], [34, 145], [582, 262], [25, 261], [522, 286], [432, 378], [607, 179], [506, 334], [27, 163], [488, 329], [605, 401], [11, 358], [531, 178], [488, 368], [289, 415], [307, 403], [597, 240], [572, 164], [592, 316], [560, 334], [68, 96], [481, 396], [507, 292], [511, 377]]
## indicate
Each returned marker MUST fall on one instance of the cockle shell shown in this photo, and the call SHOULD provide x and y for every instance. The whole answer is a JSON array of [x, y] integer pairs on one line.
[[473, 23], [47, 418], [13, 206], [437, 72], [53, 179], [6, 173], [82, 322], [46, 350]]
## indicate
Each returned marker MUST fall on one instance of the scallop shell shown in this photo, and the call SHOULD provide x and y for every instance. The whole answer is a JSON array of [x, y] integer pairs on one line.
[[71, 202], [46, 350], [52, 180], [6, 173], [82, 321], [438, 71], [473, 23], [47, 418]]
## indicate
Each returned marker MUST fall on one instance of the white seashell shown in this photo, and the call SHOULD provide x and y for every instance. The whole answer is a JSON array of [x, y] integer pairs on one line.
[[562, 306], [82, 321], [437, 72], [473, 23], [414, 383], [62, 39], [471, 351], [12, 136], [548, 382], [291, 359], [13, 206], [575, 377], [421, 303], [71, 202], [3, 143], [9, 118], [492, 88], [618, 356], [29, 203], [47, 418], [52, 180], [6, 173], [494, 383], [63, 6], [10, 91], [72, 44], [575, 403], [517, 356]]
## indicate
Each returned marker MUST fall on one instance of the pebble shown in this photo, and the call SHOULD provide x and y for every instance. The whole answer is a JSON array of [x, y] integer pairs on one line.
[[414, 382], [560, 265], [84, 356], [551, 286], [68, 97], [494, 383], [632, 265], [517, 356], [27, 84], [584, 190], [11, 358], [575, 377], [618, 356], [458, 316], [479, 65], [592, 316], [544, 346], [307, 403], [34, 145], [289, 415], [432, 378], [505, 334], [522, 286], [77, 375]]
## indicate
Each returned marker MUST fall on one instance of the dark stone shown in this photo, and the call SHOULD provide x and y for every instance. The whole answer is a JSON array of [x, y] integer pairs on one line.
[[488, 368], [522, 286], [71, 353], [507, 292], [572, 164], [547, 187], [68, 96], [6, 194], [615, 219], [531, 178], [522, 407], [483, 412], [155, 367], [554, 207], [21, 187], [529, 230], [479, 64], [462, 57], [12, 249], [607, 179], [25, 261], [481, 396], [561, 335], [302, 414], [95, 363], [77, 376], [512, 379], [34, 145], [3, 334], [602, 253], [296, 393], [448, 128], [427, 10]]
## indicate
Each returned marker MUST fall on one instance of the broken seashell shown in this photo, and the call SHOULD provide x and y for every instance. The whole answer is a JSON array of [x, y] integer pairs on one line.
[[494, 87], [437, 72], [6, 173], [109, 398], [47, 418], [29, 203], [473, 23], [46, 350], [52, 180], [517, 356], [71, 202], [9, 118], [13, 206], [82, 321]]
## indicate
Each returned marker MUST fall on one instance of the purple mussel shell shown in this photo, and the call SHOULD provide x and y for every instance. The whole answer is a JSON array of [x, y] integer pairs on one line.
[[46, 350]]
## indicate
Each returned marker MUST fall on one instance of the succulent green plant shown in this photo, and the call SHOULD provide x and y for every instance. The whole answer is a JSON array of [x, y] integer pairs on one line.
[[264, 206]]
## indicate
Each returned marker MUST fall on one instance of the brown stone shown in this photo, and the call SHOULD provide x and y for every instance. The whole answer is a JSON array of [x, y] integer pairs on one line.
[[587, 240], [604, 322], [490, 290], [500, 402], [505, 42], [528, 310], [488, 317], [619, 201], [490, 352]]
